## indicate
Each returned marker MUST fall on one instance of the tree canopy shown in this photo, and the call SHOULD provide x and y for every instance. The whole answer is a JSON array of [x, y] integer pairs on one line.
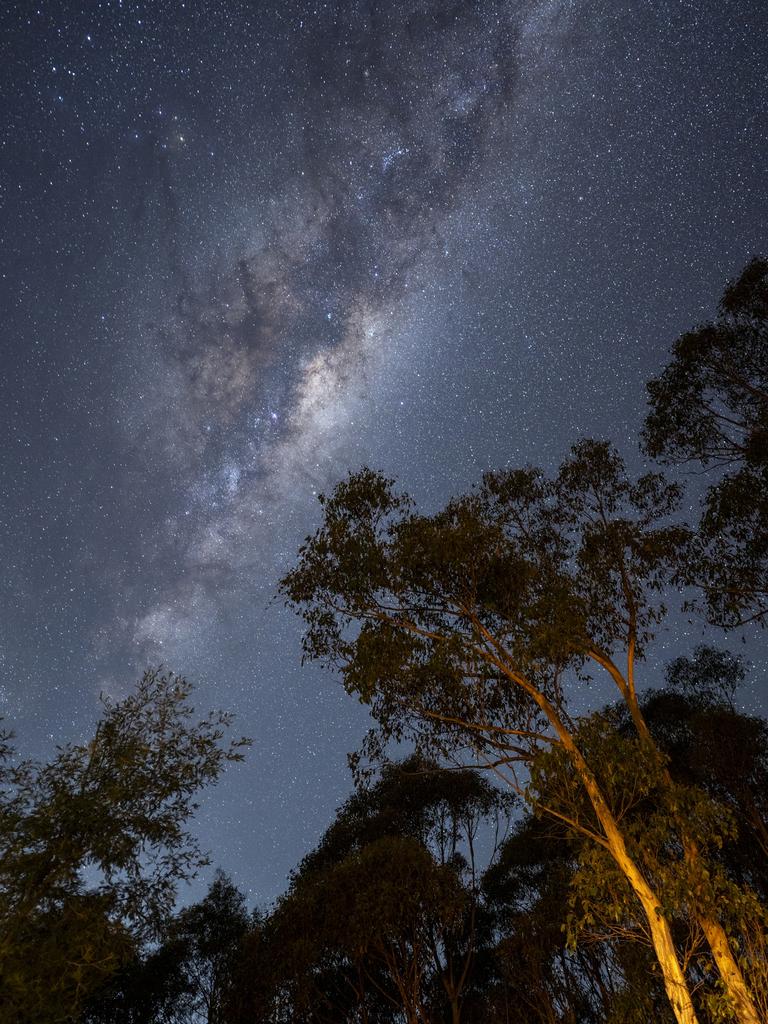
[[476, 615], [386, 921], [710, 406], [94, 843], [478, 629]]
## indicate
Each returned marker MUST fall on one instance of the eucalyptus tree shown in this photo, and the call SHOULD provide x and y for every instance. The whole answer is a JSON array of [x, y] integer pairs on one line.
[[383, 918], [529, 891], [718, 748], [710, 407], [211, 934], [417, 798], [379, 915], [479, 629]]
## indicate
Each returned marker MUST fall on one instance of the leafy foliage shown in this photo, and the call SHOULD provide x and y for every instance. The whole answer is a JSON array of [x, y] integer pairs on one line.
[[472, 614], [94, 843], [382, 917], [710, 405], [475, 630], [418, 799]]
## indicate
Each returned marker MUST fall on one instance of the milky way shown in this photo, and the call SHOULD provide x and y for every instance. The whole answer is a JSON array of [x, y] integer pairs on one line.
[[249, 247], [261, 373]]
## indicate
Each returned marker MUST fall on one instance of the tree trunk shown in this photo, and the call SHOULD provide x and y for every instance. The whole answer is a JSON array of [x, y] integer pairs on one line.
[[675, 982], [452, 991], [730, 972]]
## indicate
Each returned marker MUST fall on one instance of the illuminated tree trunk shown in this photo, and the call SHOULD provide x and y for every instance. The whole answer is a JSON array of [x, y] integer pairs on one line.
[[675, 983], [730, 972]]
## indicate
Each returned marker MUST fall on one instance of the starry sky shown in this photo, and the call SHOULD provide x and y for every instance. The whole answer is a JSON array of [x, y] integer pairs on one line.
[[247, 247]]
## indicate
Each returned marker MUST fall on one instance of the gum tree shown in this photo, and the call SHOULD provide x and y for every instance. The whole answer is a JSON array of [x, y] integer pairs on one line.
[[478, 630], [363, 936], [710, 407], [444, 813]]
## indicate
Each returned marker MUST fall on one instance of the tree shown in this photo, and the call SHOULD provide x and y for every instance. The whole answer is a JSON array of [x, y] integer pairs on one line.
[[381, 914], [94, 843], [528, 892], [710, 405], [723, 753], [419, 799], [148, 989], [476, 628], [716, 763], [658, 819], [720, 750], [382, 917], [211, 934]]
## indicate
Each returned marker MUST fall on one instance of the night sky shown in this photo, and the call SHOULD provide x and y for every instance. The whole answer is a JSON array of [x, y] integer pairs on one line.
[[247, 247]]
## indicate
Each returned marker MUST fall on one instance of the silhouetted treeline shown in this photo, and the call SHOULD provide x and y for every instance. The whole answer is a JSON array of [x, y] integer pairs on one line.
[[431, 898]]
